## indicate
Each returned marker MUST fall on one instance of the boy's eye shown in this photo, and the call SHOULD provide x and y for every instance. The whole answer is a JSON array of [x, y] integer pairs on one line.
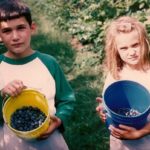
[[21, 27], [6, 30]]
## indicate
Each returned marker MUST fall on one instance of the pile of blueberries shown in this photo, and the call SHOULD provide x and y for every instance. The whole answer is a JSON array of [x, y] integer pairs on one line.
[[27, 118], [128, 112]]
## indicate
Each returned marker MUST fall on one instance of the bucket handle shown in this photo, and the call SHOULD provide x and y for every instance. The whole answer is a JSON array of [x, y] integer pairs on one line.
[[149, 110], [5, 99]]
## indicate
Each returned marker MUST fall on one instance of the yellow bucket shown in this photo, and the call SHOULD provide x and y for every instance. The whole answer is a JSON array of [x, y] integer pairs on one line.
[[28, 97]]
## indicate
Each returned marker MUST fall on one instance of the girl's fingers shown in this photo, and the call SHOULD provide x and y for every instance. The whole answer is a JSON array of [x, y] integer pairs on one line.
[[114, 131], [101, 113], [127, 128], [100, 109], [116, 135], [99, 99]]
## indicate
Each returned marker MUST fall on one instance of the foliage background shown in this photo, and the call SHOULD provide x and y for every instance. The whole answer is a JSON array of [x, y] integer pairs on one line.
[[73, 32]]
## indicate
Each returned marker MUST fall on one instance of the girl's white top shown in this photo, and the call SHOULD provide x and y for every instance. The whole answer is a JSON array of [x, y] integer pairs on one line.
[[144, 79]]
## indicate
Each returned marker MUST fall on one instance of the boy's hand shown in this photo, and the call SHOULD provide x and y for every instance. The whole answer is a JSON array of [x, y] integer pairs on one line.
[[13, 88], [100, 109], [54, 124]]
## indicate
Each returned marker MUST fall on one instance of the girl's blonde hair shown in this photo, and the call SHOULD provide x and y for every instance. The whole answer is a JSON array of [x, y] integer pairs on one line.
[[124, 24]]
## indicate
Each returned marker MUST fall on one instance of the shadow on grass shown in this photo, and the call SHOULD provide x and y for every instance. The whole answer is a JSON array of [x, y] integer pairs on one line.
[[61, 50]]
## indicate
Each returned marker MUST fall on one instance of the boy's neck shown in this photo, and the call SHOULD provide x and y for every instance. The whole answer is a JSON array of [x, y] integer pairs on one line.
[[19, 55]]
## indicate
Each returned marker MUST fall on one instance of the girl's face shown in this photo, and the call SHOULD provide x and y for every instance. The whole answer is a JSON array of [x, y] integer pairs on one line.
[[128, 46]]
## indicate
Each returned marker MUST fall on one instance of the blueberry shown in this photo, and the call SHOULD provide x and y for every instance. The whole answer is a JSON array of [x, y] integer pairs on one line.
[[27, 118]]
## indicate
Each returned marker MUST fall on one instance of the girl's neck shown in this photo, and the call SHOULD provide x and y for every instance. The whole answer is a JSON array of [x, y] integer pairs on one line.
[[136, 67], [131, 67]]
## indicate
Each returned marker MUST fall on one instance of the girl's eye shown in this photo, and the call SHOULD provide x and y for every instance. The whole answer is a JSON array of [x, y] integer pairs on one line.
[[135, 45], [123, 48]]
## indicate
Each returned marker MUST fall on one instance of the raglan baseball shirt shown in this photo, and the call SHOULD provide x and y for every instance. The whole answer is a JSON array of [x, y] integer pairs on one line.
[[41, 72]]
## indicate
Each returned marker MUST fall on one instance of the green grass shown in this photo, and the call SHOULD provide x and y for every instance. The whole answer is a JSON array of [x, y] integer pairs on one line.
[[85, 131]]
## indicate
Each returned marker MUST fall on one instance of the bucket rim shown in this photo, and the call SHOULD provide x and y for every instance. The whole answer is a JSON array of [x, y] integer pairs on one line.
[[126, 81], [47, 119]]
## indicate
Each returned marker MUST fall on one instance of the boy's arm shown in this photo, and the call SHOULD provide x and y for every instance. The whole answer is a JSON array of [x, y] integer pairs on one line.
[[65, 98]]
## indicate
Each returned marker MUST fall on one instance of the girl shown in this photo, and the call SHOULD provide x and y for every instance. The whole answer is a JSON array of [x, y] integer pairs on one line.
[[127, 58]]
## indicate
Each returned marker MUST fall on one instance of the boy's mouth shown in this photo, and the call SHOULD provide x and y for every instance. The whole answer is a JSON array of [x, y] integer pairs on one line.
[[17, 45]]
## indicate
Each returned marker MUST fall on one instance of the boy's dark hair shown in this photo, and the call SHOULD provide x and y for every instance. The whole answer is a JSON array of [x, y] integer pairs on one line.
[[12, 9]]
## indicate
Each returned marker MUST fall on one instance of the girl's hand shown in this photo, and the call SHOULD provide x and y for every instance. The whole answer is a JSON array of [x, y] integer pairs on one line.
[[54, 124], [125, 132], [100, 109], [13, 88]]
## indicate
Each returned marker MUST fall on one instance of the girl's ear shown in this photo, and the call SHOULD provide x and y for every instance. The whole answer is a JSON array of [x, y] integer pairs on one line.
[[33, 28]]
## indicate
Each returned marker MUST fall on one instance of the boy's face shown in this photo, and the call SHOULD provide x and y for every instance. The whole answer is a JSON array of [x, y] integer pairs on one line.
[[16, 35]]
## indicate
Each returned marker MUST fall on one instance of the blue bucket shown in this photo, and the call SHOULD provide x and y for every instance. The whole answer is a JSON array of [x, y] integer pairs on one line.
[[122, 97]]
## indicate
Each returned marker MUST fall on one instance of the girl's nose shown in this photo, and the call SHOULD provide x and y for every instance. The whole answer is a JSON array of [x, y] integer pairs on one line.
[[132, 51]]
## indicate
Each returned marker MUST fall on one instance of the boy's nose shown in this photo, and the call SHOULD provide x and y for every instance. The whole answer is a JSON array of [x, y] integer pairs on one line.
[[15, 35]]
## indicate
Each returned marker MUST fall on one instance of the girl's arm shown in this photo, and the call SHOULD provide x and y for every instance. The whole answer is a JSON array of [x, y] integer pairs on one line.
[[100, 109], [129, 133]]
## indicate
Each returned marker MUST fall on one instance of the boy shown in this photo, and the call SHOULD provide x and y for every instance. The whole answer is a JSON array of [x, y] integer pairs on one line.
[[22, 67]]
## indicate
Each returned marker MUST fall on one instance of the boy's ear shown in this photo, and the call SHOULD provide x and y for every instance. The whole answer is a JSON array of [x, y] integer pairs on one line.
[[33, 28], [1, 40]]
